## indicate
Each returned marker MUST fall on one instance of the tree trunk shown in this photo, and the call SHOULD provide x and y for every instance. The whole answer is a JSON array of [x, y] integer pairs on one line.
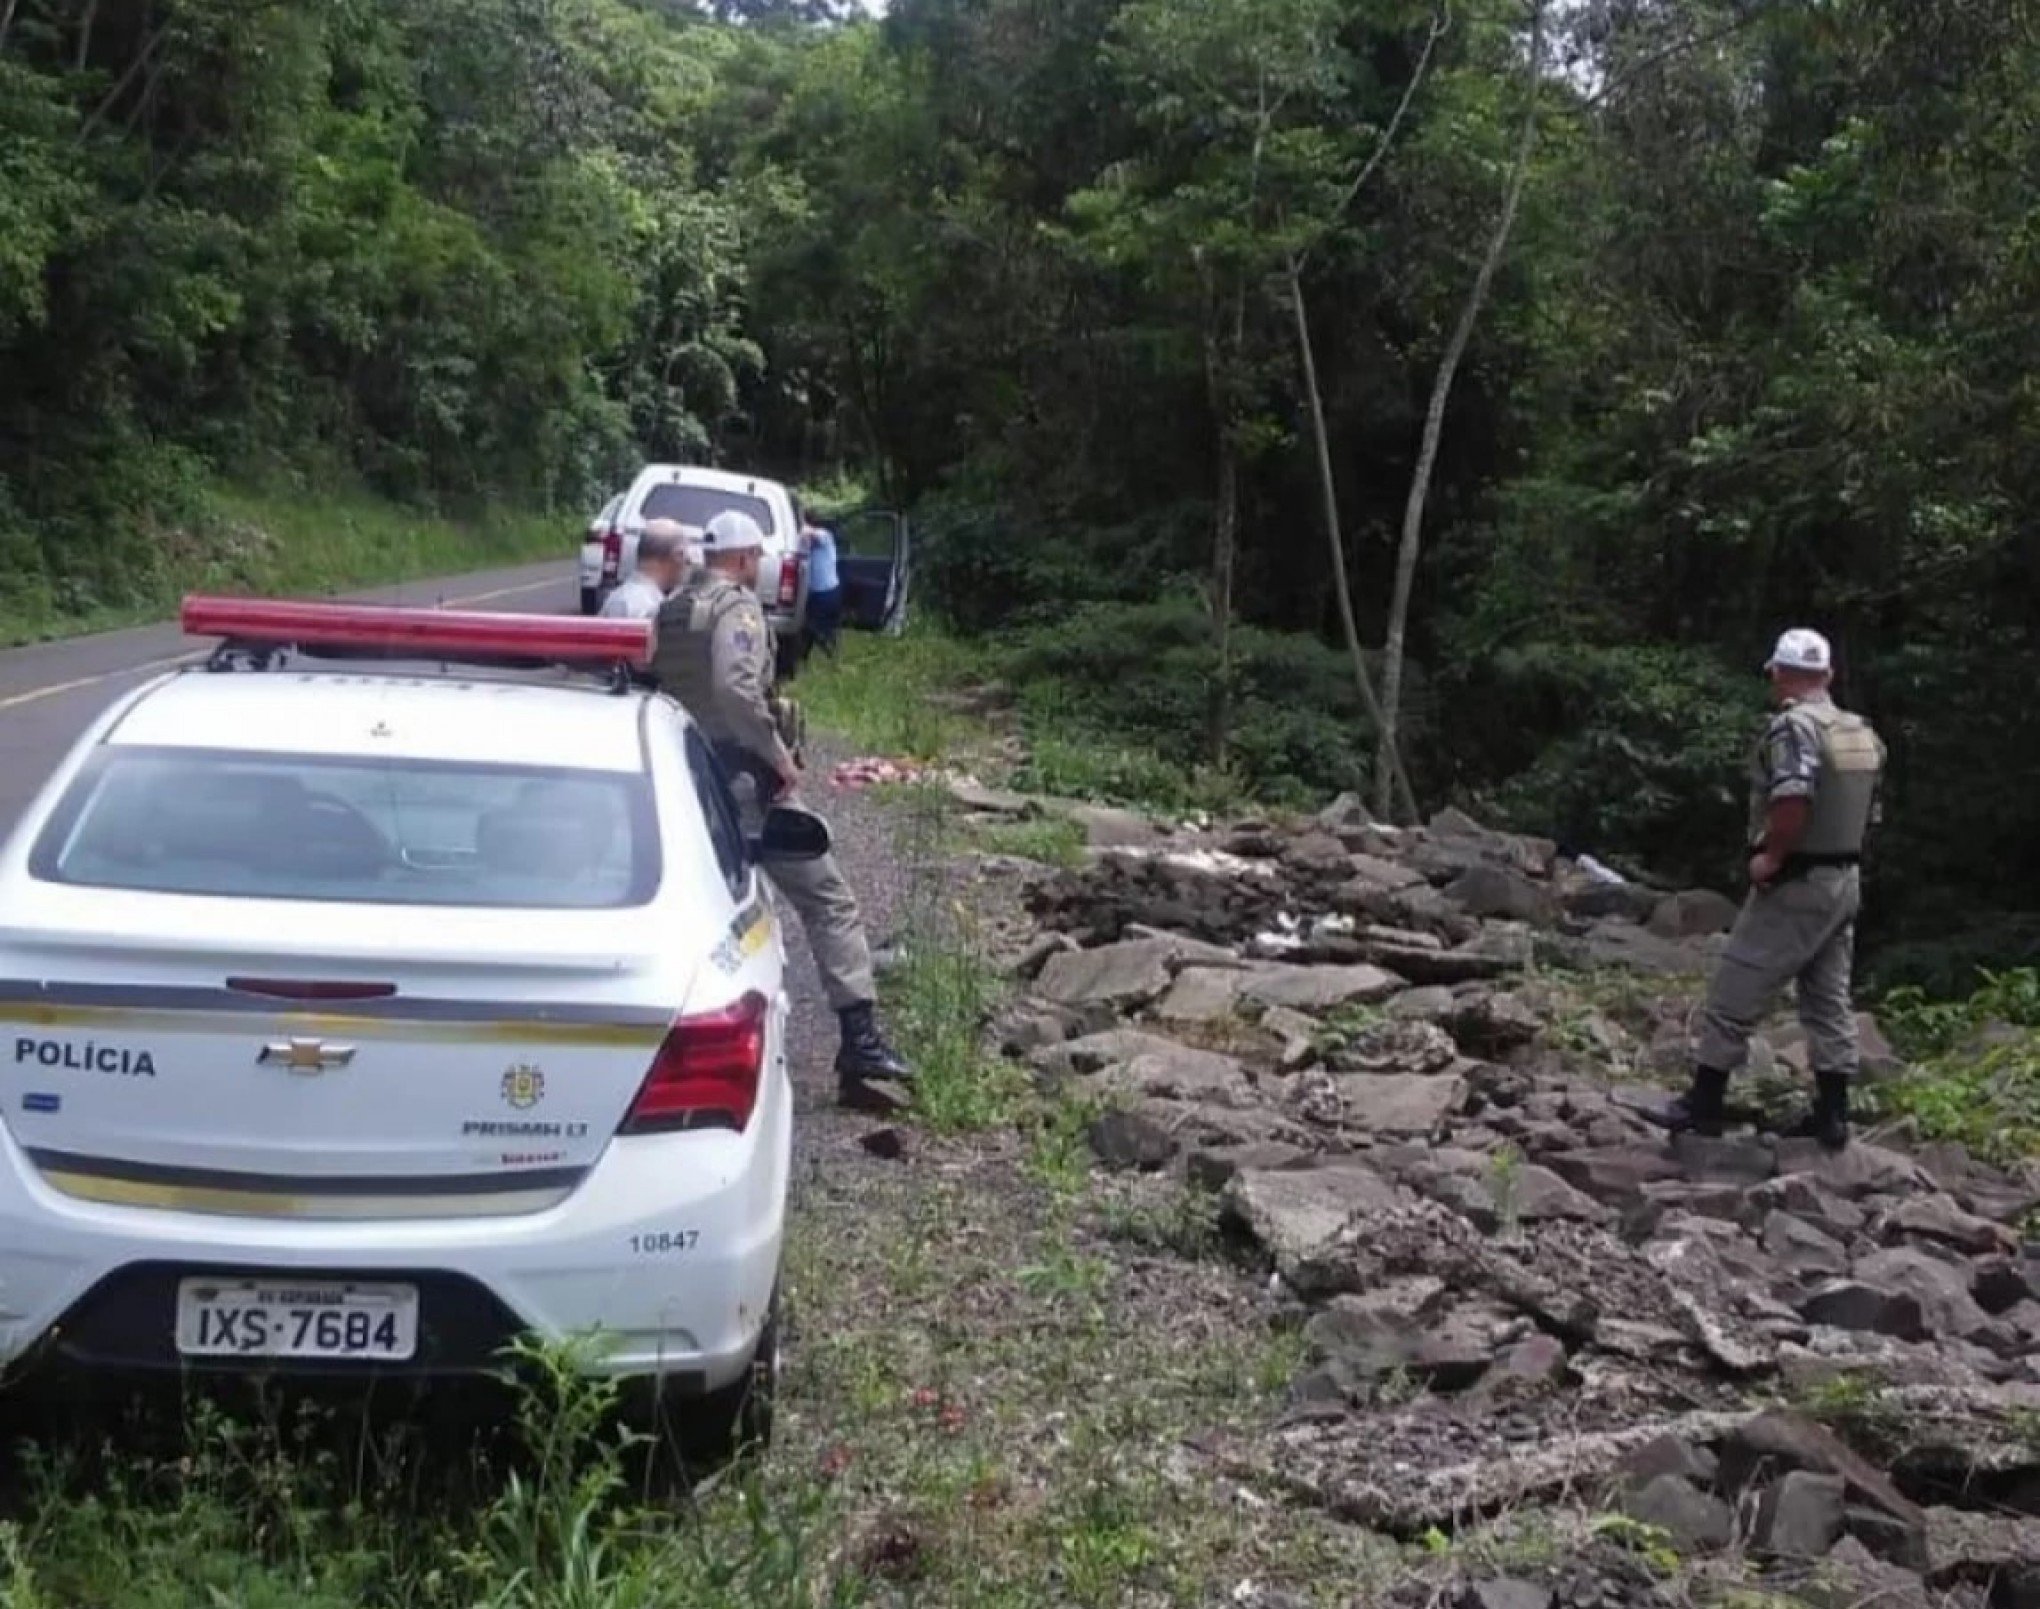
[[85, 35], [1329, 492], [6, 21], [1224, 547], [1434, 422]]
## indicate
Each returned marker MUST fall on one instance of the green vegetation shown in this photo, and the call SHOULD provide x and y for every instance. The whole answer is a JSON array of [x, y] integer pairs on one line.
[[284, 541], [1975, 1074]]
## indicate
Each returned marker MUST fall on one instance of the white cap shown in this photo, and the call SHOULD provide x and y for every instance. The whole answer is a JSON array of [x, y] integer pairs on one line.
[[732, 532], [1800, 649]]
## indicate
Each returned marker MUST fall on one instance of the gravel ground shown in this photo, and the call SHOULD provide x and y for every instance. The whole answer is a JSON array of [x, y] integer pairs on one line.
[[868, 848]]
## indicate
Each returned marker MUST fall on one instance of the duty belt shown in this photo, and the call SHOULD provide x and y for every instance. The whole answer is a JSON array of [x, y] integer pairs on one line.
[[1800, 865]]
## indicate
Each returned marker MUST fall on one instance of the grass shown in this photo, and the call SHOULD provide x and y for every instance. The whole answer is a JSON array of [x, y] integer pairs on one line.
[[290, 542], [900, 697], [1975, 1073]]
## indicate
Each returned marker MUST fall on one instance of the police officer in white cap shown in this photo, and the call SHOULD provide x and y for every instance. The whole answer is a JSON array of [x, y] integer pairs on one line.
[[715, 655], [1813, 800]]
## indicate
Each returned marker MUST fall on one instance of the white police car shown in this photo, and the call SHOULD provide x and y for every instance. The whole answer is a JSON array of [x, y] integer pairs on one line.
[[362, 1017]]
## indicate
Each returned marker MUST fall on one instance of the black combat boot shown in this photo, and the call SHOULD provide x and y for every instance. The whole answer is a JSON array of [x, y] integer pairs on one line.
[[870, 1074], [1828, 1119], [1703, 1109]]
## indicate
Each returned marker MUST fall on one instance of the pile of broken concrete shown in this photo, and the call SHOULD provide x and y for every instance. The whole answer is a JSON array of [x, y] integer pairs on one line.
[[1514, 1290]]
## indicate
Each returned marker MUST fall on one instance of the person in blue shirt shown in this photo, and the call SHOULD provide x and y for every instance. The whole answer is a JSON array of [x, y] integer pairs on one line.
[[825, 586]]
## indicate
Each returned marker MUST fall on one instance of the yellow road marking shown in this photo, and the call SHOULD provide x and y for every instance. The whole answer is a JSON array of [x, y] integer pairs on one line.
[[15, 701]]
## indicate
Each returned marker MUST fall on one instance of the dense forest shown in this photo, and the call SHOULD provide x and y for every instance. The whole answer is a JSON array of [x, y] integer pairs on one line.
[[1609, 336]]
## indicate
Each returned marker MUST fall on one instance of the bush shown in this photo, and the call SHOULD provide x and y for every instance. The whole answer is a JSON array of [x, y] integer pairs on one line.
[[1976, 1073], [1635, 751], [1140, 676]]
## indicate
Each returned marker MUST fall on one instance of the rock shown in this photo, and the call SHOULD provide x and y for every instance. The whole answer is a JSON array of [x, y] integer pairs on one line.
[[1887, 1537], [1028, 1028], [2003, 1283], [1492, 891], [1802, 1248], [1400, 1103], [991, 801], [1728, 1156], [1541, 1196], [1696, 1521], [1692, 915], [1537, 1360], [887, 1144], [1492, 1024], [1093, 1053], [1108, 828], [1043, 948], [1131, 1140], [1297, 1217], [1668, 1455], [1851, 1578], [1937, 1218], [1432, 1003], [1847, 1304], [1452, 822], [1179, 1074], [1345, 812], [1860, 1169], [1965, 1545], [1200, 995], [1806, 1197], [1189, 952], [1396, 1047], [1941, 1290], [1618, 946], [1799, 1517], [1614, 1174], [1320, 988], [1370, 1345], [1384, 876], [1506, 1592], [1213, 1168], [1779, 1439], [1119, 975], [1322, 853], [1591, 900], [1495, 948]]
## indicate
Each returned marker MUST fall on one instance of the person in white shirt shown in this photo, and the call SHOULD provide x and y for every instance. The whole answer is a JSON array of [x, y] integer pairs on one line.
[[661, 566]]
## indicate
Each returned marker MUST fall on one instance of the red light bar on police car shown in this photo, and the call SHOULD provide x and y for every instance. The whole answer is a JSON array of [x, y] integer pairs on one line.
[[424, 633]]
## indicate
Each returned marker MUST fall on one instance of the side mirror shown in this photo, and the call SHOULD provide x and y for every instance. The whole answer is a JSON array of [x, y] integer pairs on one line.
[[791, 833]]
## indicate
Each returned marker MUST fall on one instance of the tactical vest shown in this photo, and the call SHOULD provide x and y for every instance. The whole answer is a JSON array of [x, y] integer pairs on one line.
[[1844, 790], [684, 658]]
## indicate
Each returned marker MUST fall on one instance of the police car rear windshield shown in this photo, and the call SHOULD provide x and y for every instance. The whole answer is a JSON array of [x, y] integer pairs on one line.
[[314, 827], [695, 506]]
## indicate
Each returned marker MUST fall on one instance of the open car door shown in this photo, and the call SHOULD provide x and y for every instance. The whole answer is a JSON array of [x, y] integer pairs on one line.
[[871, 557]]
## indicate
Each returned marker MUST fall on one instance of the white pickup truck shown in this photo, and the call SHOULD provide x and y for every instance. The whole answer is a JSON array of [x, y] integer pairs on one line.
[[871, 548]]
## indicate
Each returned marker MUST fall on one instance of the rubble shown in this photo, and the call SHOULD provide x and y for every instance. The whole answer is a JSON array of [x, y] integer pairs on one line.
[[1513, 1289]]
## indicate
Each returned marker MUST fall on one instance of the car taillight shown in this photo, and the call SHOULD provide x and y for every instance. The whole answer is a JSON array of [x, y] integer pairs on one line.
[[706, 1073], [612, 554], [789, 579]]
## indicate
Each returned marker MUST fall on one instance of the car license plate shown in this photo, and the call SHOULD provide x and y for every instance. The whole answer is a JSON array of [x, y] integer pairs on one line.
[[259, 1318]]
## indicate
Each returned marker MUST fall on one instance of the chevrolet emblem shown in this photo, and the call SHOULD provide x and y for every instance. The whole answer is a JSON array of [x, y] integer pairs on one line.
[[305, 1055]]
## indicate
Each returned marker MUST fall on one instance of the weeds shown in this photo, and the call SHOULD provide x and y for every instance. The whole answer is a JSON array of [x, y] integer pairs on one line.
[[1052, 840], [1976, 1072]]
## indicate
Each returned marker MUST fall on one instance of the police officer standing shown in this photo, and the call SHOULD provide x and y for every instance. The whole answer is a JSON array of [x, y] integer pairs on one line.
[[1813, 799], [715, 655]]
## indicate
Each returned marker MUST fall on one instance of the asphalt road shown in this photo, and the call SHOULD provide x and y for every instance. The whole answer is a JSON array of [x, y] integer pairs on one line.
[[50, 692]]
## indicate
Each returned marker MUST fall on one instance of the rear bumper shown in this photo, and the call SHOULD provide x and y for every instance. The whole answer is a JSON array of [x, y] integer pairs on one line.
[[664, 1260]]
